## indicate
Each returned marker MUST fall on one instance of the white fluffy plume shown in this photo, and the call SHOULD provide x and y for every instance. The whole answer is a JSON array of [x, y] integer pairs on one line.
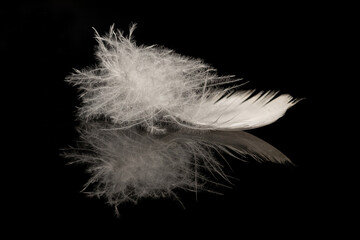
[[152, 86], [133, 88]]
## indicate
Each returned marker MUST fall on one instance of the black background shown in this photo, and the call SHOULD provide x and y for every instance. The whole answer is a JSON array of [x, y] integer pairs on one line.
[[274, 47]]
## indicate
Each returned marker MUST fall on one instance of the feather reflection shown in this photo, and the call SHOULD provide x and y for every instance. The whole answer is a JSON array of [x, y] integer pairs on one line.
[[126, 165]]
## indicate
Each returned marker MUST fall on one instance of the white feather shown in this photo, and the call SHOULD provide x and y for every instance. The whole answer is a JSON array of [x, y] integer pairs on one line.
[[152, 86]]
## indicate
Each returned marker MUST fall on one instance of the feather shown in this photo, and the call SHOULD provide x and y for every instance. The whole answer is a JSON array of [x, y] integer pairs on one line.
[[151, 86]]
